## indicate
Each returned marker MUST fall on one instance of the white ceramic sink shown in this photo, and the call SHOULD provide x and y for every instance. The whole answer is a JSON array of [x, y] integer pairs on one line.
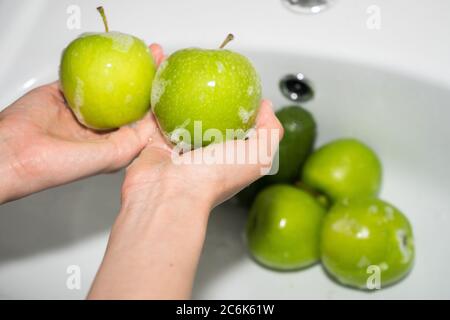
[[387, 87]]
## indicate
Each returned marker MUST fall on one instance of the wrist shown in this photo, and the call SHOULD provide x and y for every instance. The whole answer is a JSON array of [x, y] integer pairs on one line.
[[163, 200], [155, 244], [165, 187]]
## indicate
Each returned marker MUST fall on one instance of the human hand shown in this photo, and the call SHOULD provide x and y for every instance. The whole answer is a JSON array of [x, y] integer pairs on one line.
[[43, 145], [157, 238], [210, 180]]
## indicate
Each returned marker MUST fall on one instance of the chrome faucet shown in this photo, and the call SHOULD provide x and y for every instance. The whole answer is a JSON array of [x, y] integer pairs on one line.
[[307, 6]]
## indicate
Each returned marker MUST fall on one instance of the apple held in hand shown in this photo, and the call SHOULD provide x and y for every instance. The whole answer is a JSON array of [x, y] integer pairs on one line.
[[206, 90], [107, 78]]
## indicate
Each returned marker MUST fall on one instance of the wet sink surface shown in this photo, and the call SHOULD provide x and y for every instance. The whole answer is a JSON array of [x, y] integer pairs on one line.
[[401, 112]]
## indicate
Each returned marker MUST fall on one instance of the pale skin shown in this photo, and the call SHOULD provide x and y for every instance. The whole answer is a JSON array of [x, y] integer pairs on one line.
[[156, 240]]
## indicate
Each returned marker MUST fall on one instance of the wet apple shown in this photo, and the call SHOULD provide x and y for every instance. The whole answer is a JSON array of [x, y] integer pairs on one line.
[[107, 78], [365, 238], [199, 94], [343, 168], [283, 228]]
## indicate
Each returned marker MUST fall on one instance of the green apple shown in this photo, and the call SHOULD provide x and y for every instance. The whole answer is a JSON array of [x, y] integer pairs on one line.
[[210, 90], [297, 143], [364, 236], [283, 228], [343, 168], [107, 78]]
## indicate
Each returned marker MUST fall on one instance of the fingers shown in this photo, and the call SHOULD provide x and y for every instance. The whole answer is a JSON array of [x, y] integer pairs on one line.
[[267, 119], [157, 52], [54, 85], [237, 163], [269, 133], [260, 149], [125, 144]]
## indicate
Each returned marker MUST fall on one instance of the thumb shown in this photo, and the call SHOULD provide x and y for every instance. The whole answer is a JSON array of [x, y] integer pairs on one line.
[[251, 158], [123, 145]]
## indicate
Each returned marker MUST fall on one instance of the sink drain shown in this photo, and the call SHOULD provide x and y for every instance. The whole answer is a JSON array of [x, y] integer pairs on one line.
[[307, 6], [296, 88]]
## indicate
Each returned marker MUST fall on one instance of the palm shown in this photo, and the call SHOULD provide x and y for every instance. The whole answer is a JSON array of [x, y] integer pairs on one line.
[[43, 112], [156, 164], [48, 144]]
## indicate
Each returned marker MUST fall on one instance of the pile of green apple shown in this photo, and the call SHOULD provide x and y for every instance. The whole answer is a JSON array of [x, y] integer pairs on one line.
[[323, 206]]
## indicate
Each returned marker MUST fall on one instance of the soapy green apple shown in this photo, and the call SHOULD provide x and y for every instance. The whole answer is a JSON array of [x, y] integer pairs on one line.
[[343, 168], [107, 78], [283, 228], [365, 238], [213, 89]]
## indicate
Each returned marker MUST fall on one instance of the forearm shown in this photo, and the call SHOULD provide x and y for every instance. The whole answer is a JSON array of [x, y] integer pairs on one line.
[[9, 181], [154, 248], [5, 179], [18, 177]]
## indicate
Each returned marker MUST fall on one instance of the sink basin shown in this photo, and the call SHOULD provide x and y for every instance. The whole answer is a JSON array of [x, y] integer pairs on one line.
[[368, 85], [404, 120]]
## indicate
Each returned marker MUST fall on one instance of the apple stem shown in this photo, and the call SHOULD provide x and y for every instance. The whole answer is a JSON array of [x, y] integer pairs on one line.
[[229, 38], [102, 13]]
